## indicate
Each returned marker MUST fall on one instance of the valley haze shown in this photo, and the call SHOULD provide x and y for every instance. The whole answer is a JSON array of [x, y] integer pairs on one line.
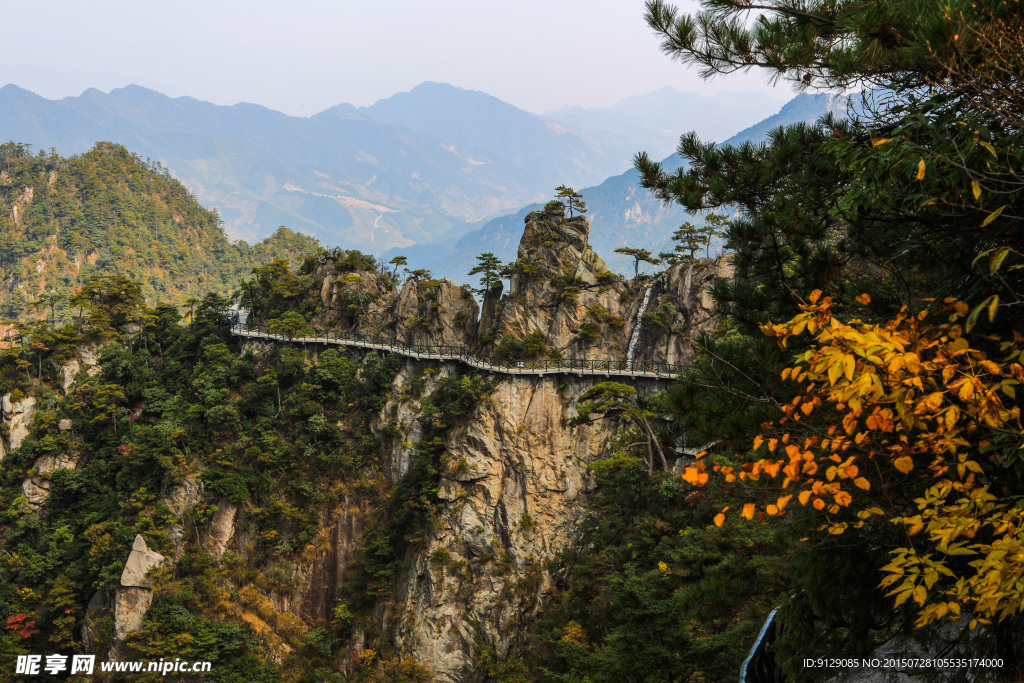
[[415, 171]]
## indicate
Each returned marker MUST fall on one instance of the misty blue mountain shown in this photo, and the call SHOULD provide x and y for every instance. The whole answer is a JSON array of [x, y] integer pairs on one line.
[[621, 213], [418, 167]]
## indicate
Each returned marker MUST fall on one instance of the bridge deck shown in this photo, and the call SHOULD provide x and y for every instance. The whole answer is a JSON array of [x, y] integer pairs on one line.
[[539, 367]]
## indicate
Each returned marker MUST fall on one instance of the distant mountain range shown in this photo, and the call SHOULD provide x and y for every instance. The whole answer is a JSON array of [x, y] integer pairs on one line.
[[653, 122], [416, 168], [621, 213]]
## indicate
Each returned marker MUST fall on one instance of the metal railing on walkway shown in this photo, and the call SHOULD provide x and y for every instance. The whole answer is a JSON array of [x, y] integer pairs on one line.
[[540, 366]]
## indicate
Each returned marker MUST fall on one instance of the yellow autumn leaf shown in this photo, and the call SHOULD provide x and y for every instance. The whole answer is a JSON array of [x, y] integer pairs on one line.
[[835, 371], [849, 365], [804, 497], [920, 170], [748, 511], [719, 519], [784, 501], [863, 298], [904, 464], [913, 363], [862, 483], [994, 215]]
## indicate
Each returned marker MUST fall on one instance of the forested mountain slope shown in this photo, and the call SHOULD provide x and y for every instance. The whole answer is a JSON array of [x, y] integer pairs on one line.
[[107, 212]]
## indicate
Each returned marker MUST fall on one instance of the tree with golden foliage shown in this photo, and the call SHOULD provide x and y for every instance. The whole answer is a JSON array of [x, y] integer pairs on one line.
[[914, 427]]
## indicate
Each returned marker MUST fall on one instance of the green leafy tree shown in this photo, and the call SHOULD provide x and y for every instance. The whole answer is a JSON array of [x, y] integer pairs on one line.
[[419, 275], [396, 262], [290, 324], [111, 302], [620, 401], [573, 199], [492, 271], [638, 255]]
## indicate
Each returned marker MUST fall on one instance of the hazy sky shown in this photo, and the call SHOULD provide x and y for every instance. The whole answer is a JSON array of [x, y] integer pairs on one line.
[[304, 56]]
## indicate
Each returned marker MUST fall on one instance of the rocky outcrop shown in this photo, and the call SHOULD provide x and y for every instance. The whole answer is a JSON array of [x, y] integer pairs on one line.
[[140, 561], [322, 586], [97, 610], [222, 527], [563, 290], [433, 312], [17, 416], [347, 296], [679, 307], [180, 500], [36, 488], [85, 358], [130, 607], [399, 421], [135, 594]]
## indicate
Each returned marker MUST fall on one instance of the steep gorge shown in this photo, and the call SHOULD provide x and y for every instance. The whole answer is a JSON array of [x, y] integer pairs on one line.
[[506, 471]]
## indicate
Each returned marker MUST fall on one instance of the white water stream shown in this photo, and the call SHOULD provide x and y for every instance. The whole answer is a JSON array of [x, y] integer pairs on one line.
[[635, 337]]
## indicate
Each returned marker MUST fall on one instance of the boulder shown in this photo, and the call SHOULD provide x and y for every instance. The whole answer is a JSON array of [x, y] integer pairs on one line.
[[140, 561], [222, 527]]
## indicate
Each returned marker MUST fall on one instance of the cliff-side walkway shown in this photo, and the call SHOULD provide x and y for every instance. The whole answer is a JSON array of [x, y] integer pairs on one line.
[[538, 367]]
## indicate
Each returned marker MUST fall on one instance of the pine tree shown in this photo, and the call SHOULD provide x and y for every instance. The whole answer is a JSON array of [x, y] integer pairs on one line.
[[573, 199], [638, 256], [911, 201]]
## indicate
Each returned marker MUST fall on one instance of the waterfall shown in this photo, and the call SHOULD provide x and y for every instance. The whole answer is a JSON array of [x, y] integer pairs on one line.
[[635, 337], [759, 666]]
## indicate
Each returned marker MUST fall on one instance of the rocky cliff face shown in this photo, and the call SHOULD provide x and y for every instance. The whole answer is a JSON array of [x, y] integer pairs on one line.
[[17, 413], [433, 312], [514, 488], [679, 306], [516, 473]]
